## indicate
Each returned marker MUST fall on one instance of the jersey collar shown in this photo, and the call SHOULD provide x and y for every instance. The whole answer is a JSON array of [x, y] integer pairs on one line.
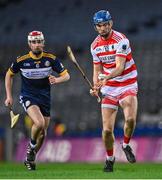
[[34, 56]]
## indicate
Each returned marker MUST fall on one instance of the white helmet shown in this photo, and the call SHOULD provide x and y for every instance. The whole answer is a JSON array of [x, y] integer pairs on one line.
[[35, 35]]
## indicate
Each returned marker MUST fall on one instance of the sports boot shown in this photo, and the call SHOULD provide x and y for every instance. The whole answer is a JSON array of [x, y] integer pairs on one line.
[[30, 165], [129, 154], [108, 165], [31, 153]]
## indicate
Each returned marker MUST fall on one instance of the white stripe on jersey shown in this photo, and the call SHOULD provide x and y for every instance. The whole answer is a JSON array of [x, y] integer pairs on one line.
[[125, 77], [128, 64], [39, 73], [109, 58]]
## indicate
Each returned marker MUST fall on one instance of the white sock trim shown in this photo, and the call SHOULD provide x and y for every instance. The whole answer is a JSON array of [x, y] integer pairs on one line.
[[125, 145], [32, 146], [110, 158]]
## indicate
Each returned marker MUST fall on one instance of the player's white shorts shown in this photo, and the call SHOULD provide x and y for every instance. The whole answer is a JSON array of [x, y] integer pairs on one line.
[[112, 96]]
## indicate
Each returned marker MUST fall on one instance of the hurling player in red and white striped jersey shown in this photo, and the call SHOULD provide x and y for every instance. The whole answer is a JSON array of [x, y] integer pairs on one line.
[[115, 74]]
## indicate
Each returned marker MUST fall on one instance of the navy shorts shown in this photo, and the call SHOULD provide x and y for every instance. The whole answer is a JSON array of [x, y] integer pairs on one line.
[[29, 101]]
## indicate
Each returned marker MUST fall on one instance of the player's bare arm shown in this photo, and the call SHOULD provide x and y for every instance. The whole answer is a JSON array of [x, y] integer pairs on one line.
[[120, 64], [97, 69], [60, 79], [8, 85]]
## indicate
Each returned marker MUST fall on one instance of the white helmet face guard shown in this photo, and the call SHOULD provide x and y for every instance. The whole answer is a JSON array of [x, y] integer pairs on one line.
[[35, 35]]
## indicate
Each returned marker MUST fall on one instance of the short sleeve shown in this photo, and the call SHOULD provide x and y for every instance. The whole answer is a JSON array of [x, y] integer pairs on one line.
[[14, 68], [96, 60], [57, 66], [123, 48]]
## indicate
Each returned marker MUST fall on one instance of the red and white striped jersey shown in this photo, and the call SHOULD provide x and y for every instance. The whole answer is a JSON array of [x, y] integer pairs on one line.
[[104, 53]]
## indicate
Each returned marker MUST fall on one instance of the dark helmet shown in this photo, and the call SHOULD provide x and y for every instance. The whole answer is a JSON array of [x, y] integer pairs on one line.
[[101, 16]]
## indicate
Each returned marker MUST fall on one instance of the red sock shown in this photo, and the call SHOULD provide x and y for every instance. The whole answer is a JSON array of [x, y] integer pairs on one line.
[[109, 152], [126, 140]]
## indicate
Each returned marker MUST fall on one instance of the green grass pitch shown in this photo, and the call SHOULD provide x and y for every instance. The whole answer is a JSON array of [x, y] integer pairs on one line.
[[81, 171]]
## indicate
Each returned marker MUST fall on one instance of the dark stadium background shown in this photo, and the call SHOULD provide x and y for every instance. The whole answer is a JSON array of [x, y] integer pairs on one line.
[[75, 114]]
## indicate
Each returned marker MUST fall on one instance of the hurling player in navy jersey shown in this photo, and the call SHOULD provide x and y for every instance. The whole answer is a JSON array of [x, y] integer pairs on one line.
[[35, 69]]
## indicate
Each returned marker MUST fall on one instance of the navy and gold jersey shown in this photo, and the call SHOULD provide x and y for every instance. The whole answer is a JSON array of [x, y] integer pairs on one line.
[[35, 72]]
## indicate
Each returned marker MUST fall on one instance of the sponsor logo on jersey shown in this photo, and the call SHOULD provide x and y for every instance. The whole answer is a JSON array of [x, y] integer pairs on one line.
[[47, 63], [37, 65], [106, 48], [26, 64], [98, 49], [124, 47], [107, 59], [36, 73]]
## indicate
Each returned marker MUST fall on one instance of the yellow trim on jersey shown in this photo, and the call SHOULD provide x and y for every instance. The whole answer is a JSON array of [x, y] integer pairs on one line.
[[63, 73], [21, 58], [10, 72], [34, 56], [31, 55], [49, 55]]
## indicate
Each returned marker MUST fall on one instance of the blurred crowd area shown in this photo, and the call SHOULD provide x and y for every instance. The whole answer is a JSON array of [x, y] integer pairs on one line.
[[74, 112]]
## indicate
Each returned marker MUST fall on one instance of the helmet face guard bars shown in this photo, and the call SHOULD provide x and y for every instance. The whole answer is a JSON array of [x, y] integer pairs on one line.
[[35, 35]]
